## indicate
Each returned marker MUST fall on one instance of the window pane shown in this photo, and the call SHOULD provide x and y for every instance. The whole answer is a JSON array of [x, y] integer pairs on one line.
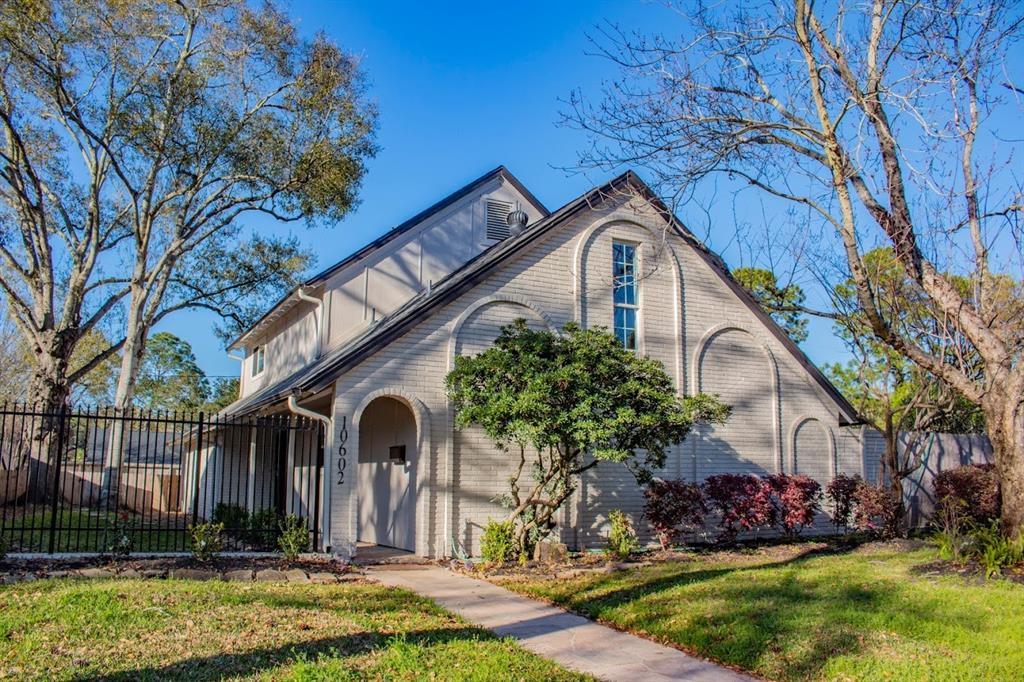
[[624, 293], [625, 327], [624, 274]]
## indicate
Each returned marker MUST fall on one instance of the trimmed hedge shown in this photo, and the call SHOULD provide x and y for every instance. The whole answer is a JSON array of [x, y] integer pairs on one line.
[[788, 503], [673, 508]]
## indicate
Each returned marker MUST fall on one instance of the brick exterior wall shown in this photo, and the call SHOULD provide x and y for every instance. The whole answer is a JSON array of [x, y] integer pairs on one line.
[[689, 320]]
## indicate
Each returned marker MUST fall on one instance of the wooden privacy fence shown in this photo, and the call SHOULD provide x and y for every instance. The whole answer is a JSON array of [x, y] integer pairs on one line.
[[86, 480]]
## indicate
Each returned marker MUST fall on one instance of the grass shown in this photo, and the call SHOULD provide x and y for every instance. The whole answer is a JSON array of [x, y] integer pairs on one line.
[[864, 615], [85, 531], [168, 630]]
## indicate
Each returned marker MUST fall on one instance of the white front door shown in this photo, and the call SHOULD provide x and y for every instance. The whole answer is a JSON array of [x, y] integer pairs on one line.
[[386, 486]]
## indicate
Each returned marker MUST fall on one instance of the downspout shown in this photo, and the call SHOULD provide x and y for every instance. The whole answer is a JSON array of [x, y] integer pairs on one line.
[[295, 408], [318, 317], [241, 371], [325, 488]]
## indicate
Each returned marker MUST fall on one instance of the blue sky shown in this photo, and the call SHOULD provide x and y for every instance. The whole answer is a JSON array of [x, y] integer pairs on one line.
[[462, 88]]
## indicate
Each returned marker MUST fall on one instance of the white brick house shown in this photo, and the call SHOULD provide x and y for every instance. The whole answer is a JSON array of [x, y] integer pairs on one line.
[[367, 344]]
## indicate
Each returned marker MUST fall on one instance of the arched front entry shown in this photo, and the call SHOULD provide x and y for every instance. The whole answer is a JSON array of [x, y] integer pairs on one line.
[[388, 460]]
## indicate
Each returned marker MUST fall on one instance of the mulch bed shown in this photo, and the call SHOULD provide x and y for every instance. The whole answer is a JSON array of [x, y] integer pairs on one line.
[[971, 570], [236, 568], [585, 563]]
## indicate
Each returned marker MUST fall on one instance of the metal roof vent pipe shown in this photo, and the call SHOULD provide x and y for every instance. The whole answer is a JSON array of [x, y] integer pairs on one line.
[[516, 221]]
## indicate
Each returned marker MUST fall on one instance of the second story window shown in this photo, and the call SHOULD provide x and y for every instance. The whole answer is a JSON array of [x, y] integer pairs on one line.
[[624, 293], [259, 357]]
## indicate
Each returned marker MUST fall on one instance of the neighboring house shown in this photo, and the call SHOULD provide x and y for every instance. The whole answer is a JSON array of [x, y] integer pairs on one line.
[[367, 344]]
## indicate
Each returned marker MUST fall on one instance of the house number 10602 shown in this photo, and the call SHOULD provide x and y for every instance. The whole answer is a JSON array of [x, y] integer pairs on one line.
[[342, 451]]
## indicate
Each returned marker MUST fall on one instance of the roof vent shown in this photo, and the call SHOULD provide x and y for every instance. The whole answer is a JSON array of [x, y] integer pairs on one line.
[[517, 220], [497, 223]]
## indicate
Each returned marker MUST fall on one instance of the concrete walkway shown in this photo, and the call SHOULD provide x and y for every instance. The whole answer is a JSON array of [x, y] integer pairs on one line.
[[570, 640]]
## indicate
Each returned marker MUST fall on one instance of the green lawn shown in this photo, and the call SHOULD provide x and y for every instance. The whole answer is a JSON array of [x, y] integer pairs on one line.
[[865, 615], [158, 630], [85, 531]]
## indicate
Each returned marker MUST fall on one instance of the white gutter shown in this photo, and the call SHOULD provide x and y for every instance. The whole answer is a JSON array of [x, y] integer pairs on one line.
[[325, 487], [319, 316], [293, 405]]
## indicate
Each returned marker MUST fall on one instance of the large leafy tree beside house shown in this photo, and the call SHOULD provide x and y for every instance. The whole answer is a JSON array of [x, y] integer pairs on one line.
[[170, 377], [559, 404], [223, 392], [783, 302], [888, 122], [135, 141]]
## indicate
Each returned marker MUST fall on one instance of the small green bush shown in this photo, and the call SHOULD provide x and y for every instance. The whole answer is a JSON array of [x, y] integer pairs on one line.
[[995, 551], [622, 540], [498, 542], [234, 517], [953, 537], [293, 538], [207, 540], [117, 535], [264, 529], [960, 539]]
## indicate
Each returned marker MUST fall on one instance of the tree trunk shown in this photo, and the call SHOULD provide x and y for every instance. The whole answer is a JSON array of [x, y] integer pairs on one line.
[[892, 466], [124, 394], [1004, 415], [49, 394]]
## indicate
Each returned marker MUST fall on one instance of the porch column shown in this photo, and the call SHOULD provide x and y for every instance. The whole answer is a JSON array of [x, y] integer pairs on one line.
[[250, 498]]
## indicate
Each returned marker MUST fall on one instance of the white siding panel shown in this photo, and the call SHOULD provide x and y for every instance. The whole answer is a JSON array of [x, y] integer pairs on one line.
[[734, 366]]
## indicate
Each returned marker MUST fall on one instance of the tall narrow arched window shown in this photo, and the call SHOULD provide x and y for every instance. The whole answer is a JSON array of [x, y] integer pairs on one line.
[[625, 294]]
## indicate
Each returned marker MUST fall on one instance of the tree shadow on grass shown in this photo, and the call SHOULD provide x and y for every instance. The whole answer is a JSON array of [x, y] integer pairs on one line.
[[636, 590], [362, 599], [787, 624], [240, 664]]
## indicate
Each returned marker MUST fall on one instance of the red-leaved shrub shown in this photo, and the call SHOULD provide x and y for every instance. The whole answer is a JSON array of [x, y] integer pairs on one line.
[[974, 489], [797, 499], [876, 509], [673, 508], [841, 492], [743, 502]]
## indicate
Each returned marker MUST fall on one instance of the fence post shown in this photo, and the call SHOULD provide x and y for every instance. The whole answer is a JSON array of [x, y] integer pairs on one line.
[[199, 454], [56, 478]]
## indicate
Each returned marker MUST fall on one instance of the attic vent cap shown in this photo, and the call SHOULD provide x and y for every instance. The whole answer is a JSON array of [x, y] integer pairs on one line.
[[517, 220]]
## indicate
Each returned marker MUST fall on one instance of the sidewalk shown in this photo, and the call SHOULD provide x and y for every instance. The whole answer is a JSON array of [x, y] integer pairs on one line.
[[570, 640]]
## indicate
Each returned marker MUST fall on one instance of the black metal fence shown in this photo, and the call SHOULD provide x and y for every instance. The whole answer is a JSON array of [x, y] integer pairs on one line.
[[104, 480]]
